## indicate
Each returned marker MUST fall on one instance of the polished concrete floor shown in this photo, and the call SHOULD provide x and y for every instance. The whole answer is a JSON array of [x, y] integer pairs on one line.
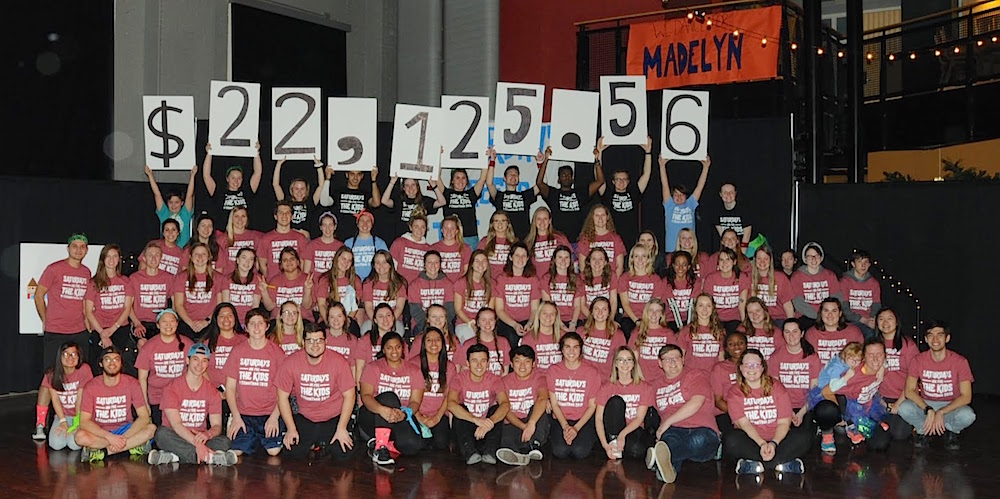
[[29, 469]]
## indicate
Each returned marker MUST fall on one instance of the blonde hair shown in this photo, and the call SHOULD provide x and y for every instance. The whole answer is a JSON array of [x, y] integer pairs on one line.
[[460, 237], [491, 234], [589, 231], [648, 269], [853, 349], [694, 248], [351, 274], [637, 376], [769, 325], [642, 329], [279, 327], [529, 240], [536, 322], [230, 231]]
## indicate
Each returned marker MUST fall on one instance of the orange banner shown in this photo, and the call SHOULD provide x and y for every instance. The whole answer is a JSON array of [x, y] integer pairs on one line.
[[682, 52]]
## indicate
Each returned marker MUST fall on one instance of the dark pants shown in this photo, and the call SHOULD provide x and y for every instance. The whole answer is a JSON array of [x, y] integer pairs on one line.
[[723, 421], [406, 441], [582, 445], [121, 338], [508, 332], [185, 330], [440, 435], [899, 429], [627, 325], [51, 342], [312, 433], [636, 442], [466, 438], [510, 437], [691, 444], [167, 439], [155, 414], [828, 413], [736, 444]]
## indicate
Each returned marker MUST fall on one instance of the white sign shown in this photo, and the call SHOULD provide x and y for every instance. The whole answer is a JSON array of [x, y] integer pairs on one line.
[[518, 117], [684, 129], [466, 131], [295, 123], [416, 142], [623, 110], [169, 131], [234, 118], [34, 258], [351, 133], [574, 125]]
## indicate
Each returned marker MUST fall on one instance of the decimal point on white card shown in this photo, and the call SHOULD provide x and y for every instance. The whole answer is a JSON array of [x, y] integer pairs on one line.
[[571, 141]]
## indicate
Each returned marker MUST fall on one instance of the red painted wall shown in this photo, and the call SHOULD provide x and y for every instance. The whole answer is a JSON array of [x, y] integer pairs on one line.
[[538, 38]]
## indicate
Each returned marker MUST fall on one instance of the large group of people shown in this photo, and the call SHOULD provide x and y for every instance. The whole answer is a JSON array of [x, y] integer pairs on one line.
[[567, 330]]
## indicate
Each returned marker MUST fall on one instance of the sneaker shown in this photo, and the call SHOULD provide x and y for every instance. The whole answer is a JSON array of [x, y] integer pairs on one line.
[[661, 458], [39, 433], [650, 458], [749, 467], [855, 435], [951, 441], [141, 450], [222, 458], [489, 457], [512, 458], [475, 458], [614, 443], [381, 457], [535, 455], [718, 452], [157, 457], [920, 441], [91, 455], [828, 445], [794, 466]]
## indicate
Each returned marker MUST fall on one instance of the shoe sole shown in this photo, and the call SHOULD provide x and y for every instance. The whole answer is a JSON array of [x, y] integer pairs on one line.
[[511, 458], [650, 458], [37, 437], [661, 457]]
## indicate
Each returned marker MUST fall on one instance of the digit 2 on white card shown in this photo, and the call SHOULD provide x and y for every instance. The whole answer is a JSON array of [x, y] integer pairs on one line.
[[169, 131], [517, 118], [295, 123], [466, 131], [351, 133], [574, 125], [623, 110], [416, 142], [234, 118], [684, 129]]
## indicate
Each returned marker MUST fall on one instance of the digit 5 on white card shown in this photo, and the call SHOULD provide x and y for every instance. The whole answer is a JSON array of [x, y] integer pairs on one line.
[[466, 131], [623, 110], [517, 119], [351, 133], [234, 118]]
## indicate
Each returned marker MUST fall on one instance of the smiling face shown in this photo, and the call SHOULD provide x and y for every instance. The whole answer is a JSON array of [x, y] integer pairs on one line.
[[432, 265], [112, 259], [547, 315], [289, 314], [289, 262], [257, 327], [686, 241], [153, 256], [479, 362], [437, 317], [174, 203], [762, 260], [240, 218], [887, 323], [600, 309], [735, 346], [519, 257], [480, 263], [730, 240], [382, 267], [234, 179], [672, 363], [646, 239], [830, 314], [205, 228], [167, 324], [197, 364], [328, 227], [315, 344], [410, 188], [703, 307], [874, 357], [679, 197], [624, 363], [728, 193], [620, 181], [335, 318], [418, 228], [752, 368], [756, 314], [486, 321], [200, 256], [792, 334], [523, 366], [354, 179], [170, 233], [459, 181], [813, 259], [655, 313], [449, 229], [245, 261], [597, 261], [563, 259], [226, 319], [393, 351], [345, 262], [937, 338], [511, 177], [284, 215], [681, 264], [365, 224], [640, 258], [601, 218], [385, 319], [69, 358], [565, 177], [111, 363], [433, 344], [571, 350], [499, 223], [299, 190], [543, 221]]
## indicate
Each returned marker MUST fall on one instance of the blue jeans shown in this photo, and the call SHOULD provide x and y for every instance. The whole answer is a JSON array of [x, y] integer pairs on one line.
[[255, 437], [691, 444], [955, 421]]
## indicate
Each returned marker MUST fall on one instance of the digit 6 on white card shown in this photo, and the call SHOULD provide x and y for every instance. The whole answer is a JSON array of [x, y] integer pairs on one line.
[[351, 133], [684, 129], [517, 118], [623, 110], [295, 123], [416, 142], [234, 118], [574, 125], [466, 131]]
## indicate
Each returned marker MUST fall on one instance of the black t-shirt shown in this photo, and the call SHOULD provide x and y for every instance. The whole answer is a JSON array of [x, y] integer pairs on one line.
[[347, 203], [569, 208], [624, 207], [463, 204], [403, 210], [517, 205], [732, 219], [225, 200], [300, 215]]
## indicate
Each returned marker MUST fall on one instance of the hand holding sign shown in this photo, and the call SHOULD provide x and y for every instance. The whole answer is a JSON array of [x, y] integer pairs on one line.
[[466, 131], [234, 118], [295, 123], [351, 133], [623, 110], [574, 124], [169, 132], [684, 128], [517, 119]]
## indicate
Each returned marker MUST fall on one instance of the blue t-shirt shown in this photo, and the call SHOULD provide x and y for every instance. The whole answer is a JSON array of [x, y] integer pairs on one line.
[[364, 251], [183, 218], [678, 217]]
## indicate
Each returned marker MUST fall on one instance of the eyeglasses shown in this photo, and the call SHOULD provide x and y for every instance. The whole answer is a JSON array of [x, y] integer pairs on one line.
[[752, 365], [314, 341], [289, 312], [671, 360], [70, 354], [625, 361]]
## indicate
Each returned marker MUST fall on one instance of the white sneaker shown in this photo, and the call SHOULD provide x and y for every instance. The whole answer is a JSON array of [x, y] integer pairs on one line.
[[223, 458], [157, 457], [512, 458], [650, 458], [39, 433], [535, 455]]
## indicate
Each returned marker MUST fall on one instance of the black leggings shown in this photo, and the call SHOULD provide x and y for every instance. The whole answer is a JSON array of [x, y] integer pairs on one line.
[[736, 444], [312, 433], [440, 435], [407, 441], [582, 445], [465, 436], [636, 442], [503, 329]]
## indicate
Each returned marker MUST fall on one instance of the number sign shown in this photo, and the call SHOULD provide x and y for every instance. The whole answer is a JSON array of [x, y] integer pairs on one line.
[[234, 118], [351, 133], [169, 131], [416, 142], [466, 131], [574, 125], [623, 110], [295, 123], [518, 118], [684, 128]]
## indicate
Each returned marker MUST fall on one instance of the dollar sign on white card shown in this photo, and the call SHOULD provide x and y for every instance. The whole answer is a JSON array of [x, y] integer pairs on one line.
[[162, 132]]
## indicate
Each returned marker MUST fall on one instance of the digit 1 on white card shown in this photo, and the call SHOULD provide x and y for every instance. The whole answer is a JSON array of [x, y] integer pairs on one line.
[[419, 166], [310, 108], [225, 140]]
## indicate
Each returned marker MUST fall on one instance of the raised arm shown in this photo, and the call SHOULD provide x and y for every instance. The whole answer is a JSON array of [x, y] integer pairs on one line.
[[478, 188], [647, 165], [258, 170], [279, 193], [376, 199], [599, 163], [387, 195], [438, 187], [705, 163], [189, 196], [488, 176], [598, 184], [320, 185], [157, 196], [206, 171], [664, 181], [324, 198], [542, 159]]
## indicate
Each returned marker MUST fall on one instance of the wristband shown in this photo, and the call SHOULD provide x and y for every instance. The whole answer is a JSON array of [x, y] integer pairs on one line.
[[927, 409]]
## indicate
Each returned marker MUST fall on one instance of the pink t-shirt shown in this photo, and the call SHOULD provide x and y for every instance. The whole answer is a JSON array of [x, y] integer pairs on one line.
[[815, 288], [597, 288], [897, 367], [795, 373], [830, 343], [859, 296], [599, 349], [248, 239], [499, 350], [110, 303], [611, 244], [427, 292], [194, 405], [377, 292], [634, 395], [418, 343], [710, 264], [649, 352], [523, 393], [321, 290], [573, 388], [151, 293], [435, 397], [763, 411], [477, 396], [71, 384], [777, 299], [289, 343], [200, 301], [861, 387], [760, 340], [722, 376], [242, 296], [409, 257], [680, 295], [638, 290], [164, 361], [546, 348], [269, 247], [725, 291], [672, 394], [321, 254], [940, 381], [344, 344], [499, 257], [562, 296], [453, 259], [173, 257], [283, 289], [66, 288], [223, 347], [255, 372], [111, 406], [701, 349], [471, 304], [402, 380], [319, 389], [703, 264], [545, 247], [517, 293]]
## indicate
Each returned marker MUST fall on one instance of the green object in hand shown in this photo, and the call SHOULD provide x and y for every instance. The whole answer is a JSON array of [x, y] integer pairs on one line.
[[754, 245], [75, 425]]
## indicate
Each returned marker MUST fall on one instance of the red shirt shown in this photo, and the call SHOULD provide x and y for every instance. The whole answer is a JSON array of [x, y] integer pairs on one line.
[[283, 289], [427, 292], [409, 257], [471, 304], [561, 295], [321, 254], [723, 377], [610, 242], [775, 300], [172, 258], [672, 394], [418, 343], [111, 406], [682, 294], [71, 384], [597, 288], [402, 380], [322, 288], [763, 342], [649, 352], [795, 373], [200, 301], [762, 411], [545, 247], [897, 366], [861, 387], [701, 349], [110, 303], [270, 246], [703, 264], [289, 343], [499, 351], [815, 288], [599, 349], [523, 393], [453, 259], [939, 381], [164, 361], [151, 293], [860, 295], [546, 348], [194, 405], [66, 288], [517, 293], [248, 239], [376, 292], [344, 344], [634, 395], [477, 396], [573, 388], [223, 347], [499, 258], [242, 296], [830, 343], [255, 372], [319, 389], [435, 397], [639, 290], [725, 291]]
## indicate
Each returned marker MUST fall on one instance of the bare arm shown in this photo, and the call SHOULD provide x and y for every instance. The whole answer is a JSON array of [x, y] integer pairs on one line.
[[598, 184], [483, 177], [189, 195], [376, 199], [320, 184], [542, 159], [705, 163], [664, 181], [157, 196], [387, 195], [206, 171], [324, 196], [258, 170], [279, 193], [647, 164]]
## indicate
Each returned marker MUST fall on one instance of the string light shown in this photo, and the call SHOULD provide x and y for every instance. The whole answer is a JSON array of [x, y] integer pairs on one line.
[[736, 32], [979, 43], [690, 16], [957, 50], [763, 41], [819, 51], [708, 22], [994, 39], [892, 57], [840, 53], [795, 46], [913, 55], [869, 56], [937, 53]]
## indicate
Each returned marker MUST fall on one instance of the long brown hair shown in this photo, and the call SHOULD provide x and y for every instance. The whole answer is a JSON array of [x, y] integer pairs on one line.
[[570, 272], [470, 283], [769, 325], [588, 273], [396, 281], [610, 326], [331, 274], [715, 326], [209, 273], [101, 280], [491, 234]]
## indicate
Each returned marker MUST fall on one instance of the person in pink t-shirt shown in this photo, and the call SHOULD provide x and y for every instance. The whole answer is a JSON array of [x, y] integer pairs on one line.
[[938, 391], [408, 250], [196, 292], [598, 279], [701, 263], [543, 335], [222, 334], [438, 372], [108, 301], [192, 429], [431, 287], [573, 386], [151, 288], [497, 242], [289, 331], [455, 252], [340, 339], [238, 236], [762, 333], [479, 404], [900, 350], [796, 365], [599, 232], [283, 236], [763, 437], [206, 234], [526, 428], [731, 241], [622, 404], [320, 251], [243, 287], [601, 335], [702, 340], [341, 284], [291, 284], [160, 361], [772, 287], [486, 334], [385, 285], [59, 301], [854, 399], [63, 384], [729, 288], [172, 253], [518, 292], [543, 240], [637, 286], [651, 334], [437, 317], [561, 285], [473, 291], [723, 376], [390, 385], [832, 333], [862, 293], [680, 287]]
